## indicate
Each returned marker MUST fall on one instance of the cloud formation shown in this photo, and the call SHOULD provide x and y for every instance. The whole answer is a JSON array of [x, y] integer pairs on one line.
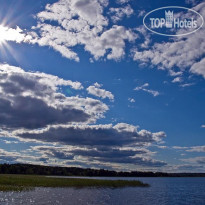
[[34, 109], [131, 100], [191, 149], [119, 144], [6, 156], [196, 160], [94, 135], [32, 100], [10, 34], [118, 14], [145, 89], [81, 23], [96, 90], [102, 156]]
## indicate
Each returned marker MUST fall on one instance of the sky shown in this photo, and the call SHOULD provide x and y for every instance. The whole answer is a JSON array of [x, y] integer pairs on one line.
[[83, 83]]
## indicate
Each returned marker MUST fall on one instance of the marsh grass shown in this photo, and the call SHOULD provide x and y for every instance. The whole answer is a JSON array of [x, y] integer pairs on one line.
[[27, 182]]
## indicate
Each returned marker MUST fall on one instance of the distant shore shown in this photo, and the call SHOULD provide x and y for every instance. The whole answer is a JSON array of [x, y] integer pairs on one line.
[[27, 182], [29, 169]]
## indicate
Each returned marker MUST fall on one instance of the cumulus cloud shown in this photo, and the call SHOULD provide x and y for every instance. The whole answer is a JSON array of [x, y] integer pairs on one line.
[[32, 100], [118, 144], [94, 135], [118, 14], [199, 68], [99, 92], [145, 89], [33, 109], [10, 34], [81, 23], [99, 155], [185, 53]]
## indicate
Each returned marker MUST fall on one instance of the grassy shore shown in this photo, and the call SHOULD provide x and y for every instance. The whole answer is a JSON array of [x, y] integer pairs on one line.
[[27, 182]]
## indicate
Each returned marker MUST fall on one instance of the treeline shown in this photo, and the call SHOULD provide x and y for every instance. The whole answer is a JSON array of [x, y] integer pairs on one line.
[[74, 171]]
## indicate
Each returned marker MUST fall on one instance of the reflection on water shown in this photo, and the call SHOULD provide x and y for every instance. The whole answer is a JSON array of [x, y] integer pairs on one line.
[[163, 191]]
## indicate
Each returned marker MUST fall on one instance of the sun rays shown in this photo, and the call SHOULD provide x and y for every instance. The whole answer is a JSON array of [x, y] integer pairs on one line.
[[7, 35]]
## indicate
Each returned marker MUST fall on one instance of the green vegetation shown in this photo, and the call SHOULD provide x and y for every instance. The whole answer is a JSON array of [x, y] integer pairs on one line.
[[27, 182]]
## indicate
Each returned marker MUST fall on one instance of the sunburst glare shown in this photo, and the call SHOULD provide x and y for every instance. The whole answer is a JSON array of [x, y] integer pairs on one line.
[[10, 34]]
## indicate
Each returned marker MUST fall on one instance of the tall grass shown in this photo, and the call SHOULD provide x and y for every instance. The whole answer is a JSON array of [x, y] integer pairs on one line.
[[27, 182]]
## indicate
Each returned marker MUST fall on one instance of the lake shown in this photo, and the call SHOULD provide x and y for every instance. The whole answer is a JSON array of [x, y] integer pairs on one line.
[[163, 191]]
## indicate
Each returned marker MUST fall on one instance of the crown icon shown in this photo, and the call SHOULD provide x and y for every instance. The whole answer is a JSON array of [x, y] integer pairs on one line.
[[169, 16]]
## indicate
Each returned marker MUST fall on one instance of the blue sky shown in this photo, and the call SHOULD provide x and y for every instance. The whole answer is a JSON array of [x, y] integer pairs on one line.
[[83, 83]]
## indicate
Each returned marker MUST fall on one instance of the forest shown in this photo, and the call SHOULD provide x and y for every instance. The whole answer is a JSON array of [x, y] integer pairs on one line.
[[29, 169]]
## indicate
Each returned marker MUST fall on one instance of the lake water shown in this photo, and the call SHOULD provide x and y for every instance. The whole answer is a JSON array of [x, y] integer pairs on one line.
[[163, 191]]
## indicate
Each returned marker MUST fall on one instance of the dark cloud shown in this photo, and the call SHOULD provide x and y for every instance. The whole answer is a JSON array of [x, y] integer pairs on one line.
[[120, 156], [110, 155], [31, 100], [96, 135], [28, 112], [119, 144]]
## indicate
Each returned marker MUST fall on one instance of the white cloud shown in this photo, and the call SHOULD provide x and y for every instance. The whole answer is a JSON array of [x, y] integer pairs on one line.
[[122, 1], [99, 92], [192, 2], [10, 34], [145, 89], [197, 160], [199, 68], [7, 157], [173, 73], [118, 14], [203, 126], [177, 80], [178, 147], [186, 85], [191, 149], [141, 13], [196, 149], [113, 39], [81, 23], [131, 100]]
